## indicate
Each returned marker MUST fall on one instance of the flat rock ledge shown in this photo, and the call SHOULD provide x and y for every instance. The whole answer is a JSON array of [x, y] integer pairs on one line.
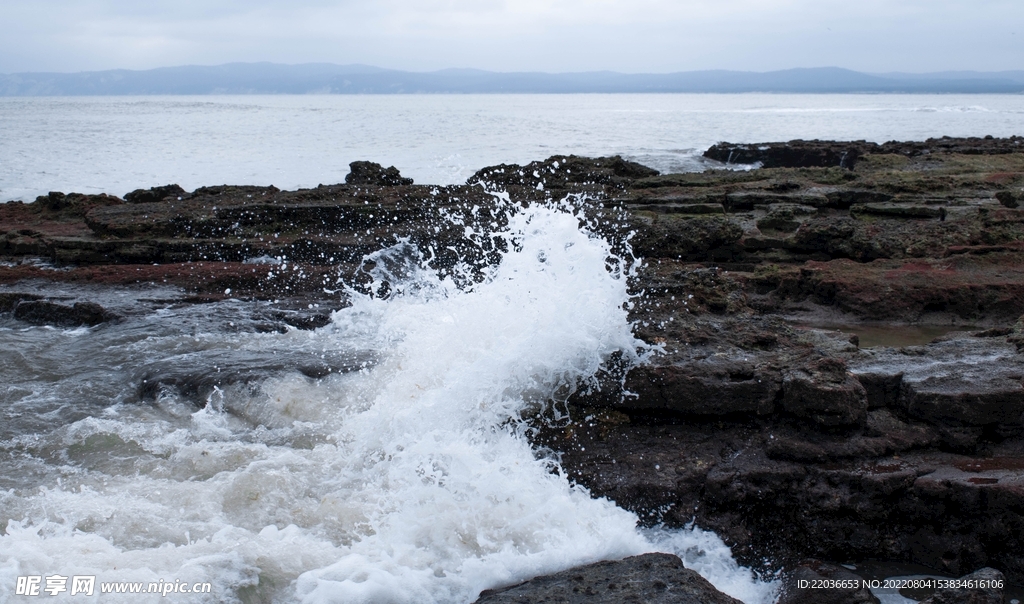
[[646, 579]]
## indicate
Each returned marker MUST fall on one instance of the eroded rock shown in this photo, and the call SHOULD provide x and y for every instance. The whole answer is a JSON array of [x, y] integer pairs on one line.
[[370, 173], [794, 154], [155, 194], [708, 387], [825, 393], [563, 172], [650, 578], [43, 312], [956, 383]]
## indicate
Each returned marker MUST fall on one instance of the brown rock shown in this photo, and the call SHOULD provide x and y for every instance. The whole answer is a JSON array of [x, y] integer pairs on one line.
[[826, 393]]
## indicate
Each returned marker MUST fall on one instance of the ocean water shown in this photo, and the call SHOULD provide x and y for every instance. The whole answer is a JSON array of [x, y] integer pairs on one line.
[[117, 144], [406, 474]]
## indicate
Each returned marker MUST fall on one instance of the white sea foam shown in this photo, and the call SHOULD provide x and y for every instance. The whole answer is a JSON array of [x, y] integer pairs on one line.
[[410, 481], [706, 553]]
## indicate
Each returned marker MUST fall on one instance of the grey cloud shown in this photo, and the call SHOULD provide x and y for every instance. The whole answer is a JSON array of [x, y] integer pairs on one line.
[[564, 35]]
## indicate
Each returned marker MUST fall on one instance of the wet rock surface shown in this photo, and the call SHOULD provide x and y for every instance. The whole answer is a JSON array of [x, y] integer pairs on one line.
[[794, 154], [44, 312], [765, 415], [650, 578]]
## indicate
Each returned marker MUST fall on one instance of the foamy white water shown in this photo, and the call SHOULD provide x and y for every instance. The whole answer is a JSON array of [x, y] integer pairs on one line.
[[410, 480], [117, 144]]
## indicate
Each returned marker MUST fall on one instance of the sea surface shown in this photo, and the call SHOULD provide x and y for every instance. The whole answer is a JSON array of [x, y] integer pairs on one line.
[[117, 144], [405, 475]]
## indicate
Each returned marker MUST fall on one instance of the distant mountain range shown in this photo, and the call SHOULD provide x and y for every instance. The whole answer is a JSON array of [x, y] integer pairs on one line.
[[325, 78]]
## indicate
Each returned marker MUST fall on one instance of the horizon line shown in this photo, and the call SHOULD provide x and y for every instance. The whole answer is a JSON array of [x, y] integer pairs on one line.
[[467, 70]]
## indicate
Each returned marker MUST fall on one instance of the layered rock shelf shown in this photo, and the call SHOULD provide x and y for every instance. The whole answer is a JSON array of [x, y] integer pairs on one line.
[[772, 411]]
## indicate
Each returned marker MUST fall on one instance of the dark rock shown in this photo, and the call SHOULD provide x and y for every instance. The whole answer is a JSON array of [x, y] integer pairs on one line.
[[742, 201], [155, 194], [23, 242], [871, 488], [984, 586], [42, 312], [899, 435], [815, 153], [956, 384], [815, 448], [884, 435], [960, 439], [370, 173], [685, 208], [699, 180], [992, 398], [785, 216], [709, 387], [562, 172], [898, 210], [826, 393], [794, 154], [875, 493], [75, 204], [10, 300], [669, 236], [324, 226], [964, 287], [1007, 199], [54, 200], [307, 320], [882, 389], [235, 193], [650, 579], [783, 186], [844, 198], [975, 145], [814, 572]]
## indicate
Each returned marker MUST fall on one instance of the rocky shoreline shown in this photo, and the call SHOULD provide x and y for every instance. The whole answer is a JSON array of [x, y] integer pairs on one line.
[[768, 416]]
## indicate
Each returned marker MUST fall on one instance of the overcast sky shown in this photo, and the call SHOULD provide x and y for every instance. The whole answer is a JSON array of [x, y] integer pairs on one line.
[[516, 35]]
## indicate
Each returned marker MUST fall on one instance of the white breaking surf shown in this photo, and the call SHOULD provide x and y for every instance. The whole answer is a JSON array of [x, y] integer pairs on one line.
[[409, 481]]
